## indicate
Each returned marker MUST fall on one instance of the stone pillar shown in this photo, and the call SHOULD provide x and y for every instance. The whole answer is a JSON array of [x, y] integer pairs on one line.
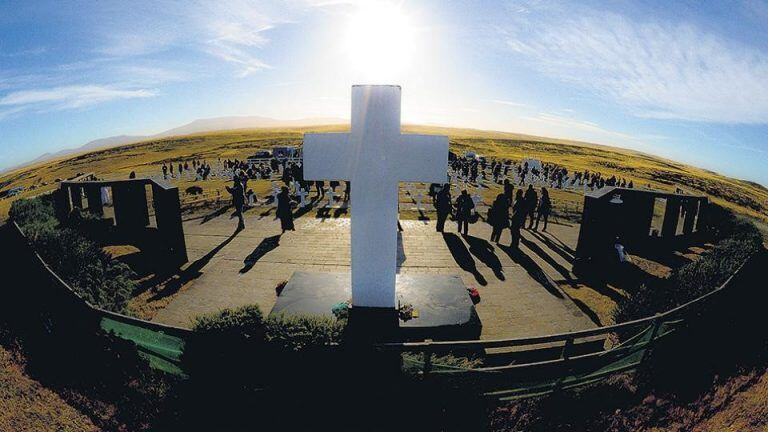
[[691, 206], [76, 196], [671, 217], [169, 225], [93, 194], [130, 202], [61, 203], [701, 220]]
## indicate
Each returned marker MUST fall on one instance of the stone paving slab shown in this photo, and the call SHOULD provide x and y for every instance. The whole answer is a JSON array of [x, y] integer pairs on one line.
[[517, 300]]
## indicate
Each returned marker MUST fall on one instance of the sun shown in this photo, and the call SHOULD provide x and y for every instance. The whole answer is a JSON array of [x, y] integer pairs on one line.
[[380, 41]]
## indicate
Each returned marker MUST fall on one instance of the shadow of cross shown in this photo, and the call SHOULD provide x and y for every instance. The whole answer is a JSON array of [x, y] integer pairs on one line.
[[375, 157]]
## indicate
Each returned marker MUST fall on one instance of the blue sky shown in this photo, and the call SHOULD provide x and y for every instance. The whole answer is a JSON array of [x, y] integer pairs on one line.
[[687, 80]]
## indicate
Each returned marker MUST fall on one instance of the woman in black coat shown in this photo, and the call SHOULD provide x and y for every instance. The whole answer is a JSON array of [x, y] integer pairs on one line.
[[498, 216], [284, 211], [519, 211]]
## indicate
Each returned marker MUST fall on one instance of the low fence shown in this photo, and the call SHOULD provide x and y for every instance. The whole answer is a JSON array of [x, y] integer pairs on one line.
[[526, 376], [54, 301]]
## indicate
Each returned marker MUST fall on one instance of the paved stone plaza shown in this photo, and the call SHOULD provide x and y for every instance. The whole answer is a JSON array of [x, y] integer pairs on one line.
[[517, 298]]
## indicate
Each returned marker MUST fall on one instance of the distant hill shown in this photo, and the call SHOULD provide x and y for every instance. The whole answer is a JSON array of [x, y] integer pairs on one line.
[[245, 122], [196, 126]]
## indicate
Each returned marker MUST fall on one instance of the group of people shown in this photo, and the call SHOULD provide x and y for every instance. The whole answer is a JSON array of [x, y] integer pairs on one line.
[[526, 206], [505, 212], [239, 199], [201, 169]]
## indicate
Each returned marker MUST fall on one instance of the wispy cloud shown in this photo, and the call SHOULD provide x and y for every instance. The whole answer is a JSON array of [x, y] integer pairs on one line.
[[69, 97], [508, 103], [570, 123], [654, 69]]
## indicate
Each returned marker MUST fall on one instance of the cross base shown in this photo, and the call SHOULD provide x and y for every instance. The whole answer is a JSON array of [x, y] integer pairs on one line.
[[444, 310]]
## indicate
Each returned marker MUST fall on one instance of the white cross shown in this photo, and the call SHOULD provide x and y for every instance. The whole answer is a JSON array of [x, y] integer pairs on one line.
[[375, 157], [331, 198], [303, 196], [275, 192]]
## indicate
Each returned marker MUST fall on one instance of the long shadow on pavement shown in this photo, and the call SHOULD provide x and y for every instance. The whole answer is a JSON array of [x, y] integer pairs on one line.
[[266, 245], [193, 271], [548, 259], [555, 247], [483, 250], [462, 256], [213, 215], [533, 269]]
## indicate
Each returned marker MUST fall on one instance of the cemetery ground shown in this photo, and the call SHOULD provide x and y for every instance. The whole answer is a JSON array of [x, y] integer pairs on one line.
[[527, 293], [145, 158]]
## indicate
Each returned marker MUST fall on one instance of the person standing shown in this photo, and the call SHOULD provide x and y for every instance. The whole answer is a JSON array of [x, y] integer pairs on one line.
[[443, 206], [238, 201], [284, 211], [518, 219], [347, 190], [498, 217], [464, 206], [509, 190], [165, 172], [531, 199], [545, 207]]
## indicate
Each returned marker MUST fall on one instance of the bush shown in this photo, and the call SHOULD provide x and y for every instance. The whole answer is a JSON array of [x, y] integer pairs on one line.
[[35, 216], [738, 240], [297, 333], [245, 322], [282, 333], [93, 274]]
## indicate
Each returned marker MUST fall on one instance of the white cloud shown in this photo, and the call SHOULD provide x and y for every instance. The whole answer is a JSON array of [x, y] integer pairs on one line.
[[570, 123], [508, 103], [654, 69], [69, 97]]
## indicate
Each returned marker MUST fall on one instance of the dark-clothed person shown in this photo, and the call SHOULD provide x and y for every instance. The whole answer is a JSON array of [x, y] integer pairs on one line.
[[531, 199], [498, 216], [284, 212], [238, 201], [545, 208], [464, 206], [443, 206], [518, 218]]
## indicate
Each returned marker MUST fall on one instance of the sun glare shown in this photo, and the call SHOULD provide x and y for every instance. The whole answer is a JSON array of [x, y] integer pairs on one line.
[[380, 42]]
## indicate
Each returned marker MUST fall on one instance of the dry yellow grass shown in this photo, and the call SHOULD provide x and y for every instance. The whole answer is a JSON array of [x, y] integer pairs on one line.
[[146, 157], [25, 405]]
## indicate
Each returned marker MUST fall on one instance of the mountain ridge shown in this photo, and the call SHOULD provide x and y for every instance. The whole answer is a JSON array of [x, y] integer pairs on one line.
[[195, 126]]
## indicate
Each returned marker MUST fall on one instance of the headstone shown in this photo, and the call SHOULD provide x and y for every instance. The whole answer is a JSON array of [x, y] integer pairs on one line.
[[303, 197], [275, 192], [375, 156], [419, 198], [331, 198]]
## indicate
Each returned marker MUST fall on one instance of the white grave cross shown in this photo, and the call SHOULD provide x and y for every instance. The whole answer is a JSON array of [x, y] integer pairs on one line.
[[375, 157]]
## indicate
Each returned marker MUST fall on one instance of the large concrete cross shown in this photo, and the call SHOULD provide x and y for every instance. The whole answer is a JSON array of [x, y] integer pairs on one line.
[[375, 157]]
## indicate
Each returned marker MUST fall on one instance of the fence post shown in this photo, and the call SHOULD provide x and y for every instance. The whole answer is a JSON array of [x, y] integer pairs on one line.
[[654, 330], [566, 348], [565, 355], [428, 357]]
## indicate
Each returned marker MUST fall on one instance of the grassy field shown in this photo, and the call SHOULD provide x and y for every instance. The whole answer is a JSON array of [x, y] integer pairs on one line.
[[145, 158], [25, 405]]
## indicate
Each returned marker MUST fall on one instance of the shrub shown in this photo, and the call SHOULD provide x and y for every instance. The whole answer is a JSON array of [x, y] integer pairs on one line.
[[80, 262], [283, 333], [35, 216], [245, 322], [739, 240], [296, 333]]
